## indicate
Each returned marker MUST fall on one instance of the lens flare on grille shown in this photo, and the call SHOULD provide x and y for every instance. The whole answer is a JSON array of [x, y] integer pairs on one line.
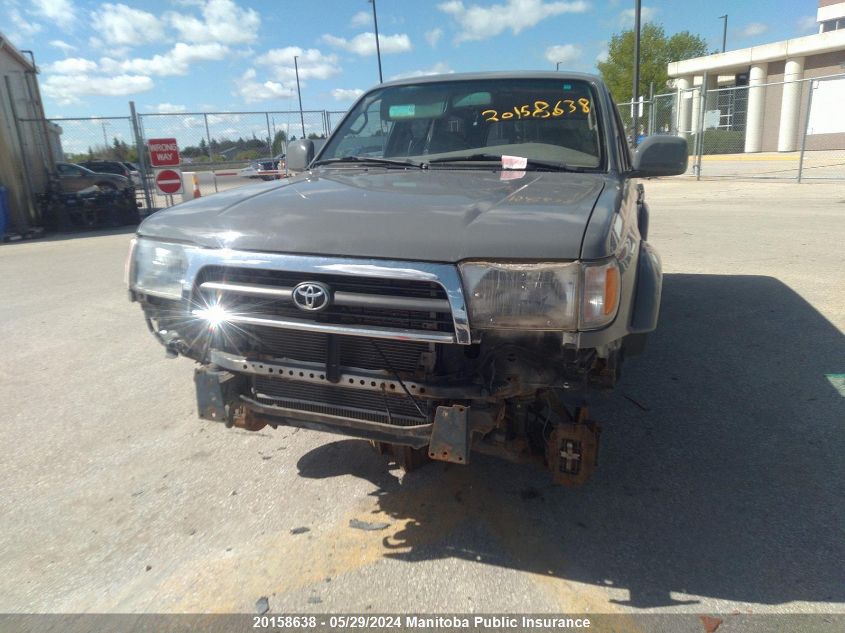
[[215, 315]]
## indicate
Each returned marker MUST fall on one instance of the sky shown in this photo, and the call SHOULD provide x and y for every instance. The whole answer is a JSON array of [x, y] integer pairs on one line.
[[237, 55]]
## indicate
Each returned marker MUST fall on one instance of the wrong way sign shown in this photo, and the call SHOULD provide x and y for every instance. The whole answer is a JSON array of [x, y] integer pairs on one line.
[[164, 152], [169, 181]]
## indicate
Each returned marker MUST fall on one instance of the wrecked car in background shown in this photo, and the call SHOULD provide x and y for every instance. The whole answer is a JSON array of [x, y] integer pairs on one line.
[[461, 268]]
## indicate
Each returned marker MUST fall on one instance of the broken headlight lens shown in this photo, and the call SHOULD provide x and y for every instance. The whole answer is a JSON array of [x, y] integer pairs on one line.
[[159, 268], [540, 296]]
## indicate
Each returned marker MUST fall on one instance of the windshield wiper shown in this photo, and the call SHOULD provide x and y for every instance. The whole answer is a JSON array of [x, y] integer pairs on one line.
[[531, 162], [393, 162]]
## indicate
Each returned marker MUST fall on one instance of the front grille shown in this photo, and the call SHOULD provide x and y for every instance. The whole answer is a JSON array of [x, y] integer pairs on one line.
[[336, 314], [398, 410], [312, 347]]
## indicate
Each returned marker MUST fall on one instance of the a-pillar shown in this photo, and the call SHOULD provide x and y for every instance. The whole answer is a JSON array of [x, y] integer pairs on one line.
[[756, 107], [684, 101], [790, 106]]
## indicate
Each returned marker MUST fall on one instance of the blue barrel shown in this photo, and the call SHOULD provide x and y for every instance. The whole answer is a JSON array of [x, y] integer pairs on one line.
[[4, 211]]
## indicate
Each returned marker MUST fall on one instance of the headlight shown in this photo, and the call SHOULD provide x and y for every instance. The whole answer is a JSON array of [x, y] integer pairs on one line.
[[600, 294], [159, 268], [522, 296]]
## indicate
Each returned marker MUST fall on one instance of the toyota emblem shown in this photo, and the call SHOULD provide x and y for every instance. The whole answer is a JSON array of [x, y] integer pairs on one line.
[[311, 296]]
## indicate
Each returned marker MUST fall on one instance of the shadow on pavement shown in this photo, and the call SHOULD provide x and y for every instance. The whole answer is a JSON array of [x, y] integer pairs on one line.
[[729, 485]]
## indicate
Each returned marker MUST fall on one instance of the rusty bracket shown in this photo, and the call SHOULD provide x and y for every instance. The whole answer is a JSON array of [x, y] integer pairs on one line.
[[215, 393], [450, 435]]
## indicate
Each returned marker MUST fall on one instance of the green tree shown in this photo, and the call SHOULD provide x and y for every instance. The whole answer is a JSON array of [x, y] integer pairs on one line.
[[656, 51], [279, 140]]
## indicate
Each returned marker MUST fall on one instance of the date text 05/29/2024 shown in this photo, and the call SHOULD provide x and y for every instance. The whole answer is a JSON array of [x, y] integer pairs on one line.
[[420, 622]]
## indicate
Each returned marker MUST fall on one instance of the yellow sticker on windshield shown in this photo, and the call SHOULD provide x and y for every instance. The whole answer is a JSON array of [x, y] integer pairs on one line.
[[540, 110]]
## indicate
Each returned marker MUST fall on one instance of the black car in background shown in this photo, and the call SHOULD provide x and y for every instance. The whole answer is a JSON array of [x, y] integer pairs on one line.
[[109, 167]]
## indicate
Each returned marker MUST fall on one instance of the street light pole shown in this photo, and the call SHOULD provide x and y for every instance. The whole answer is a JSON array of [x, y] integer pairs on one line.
[[557, 66], [378, 46], [299, 94], [636, 94], [724, 31]]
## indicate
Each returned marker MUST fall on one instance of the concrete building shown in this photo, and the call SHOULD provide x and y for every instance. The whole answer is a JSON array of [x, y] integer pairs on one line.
[[770, 100], [29, 146]]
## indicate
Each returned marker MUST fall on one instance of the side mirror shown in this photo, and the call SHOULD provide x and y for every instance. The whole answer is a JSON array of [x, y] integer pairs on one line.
[[661, 155], [299, 155]]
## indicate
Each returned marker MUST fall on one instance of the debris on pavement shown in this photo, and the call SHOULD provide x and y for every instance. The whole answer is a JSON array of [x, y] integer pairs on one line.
[[300, 530], [262, 605], [365, 525]]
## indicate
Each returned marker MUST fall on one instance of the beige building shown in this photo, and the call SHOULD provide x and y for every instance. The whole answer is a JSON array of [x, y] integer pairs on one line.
[[773, 108], [28, 149]]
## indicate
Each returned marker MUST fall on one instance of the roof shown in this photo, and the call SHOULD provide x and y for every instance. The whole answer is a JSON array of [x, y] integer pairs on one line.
[[742, 58], [510, 74], [7, 47]]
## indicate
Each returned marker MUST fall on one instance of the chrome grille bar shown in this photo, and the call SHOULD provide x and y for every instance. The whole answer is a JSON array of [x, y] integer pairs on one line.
[[341, 298], [350, 330]]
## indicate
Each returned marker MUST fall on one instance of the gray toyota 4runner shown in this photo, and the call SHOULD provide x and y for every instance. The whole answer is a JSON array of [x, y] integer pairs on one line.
[[462, 267]]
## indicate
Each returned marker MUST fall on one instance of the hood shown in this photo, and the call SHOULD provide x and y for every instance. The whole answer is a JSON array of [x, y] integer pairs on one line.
[[426, 215]]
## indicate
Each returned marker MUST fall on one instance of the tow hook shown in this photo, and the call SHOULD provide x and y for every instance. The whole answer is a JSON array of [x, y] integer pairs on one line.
[[572, 450]]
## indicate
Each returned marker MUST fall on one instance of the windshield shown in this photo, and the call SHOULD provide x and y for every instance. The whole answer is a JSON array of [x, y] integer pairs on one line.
[[552, 121]]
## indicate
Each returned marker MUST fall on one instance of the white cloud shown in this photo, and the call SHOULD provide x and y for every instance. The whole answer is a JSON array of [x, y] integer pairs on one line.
[[603, 55], [362, 18], [313, 64], [808, 24], [566, 54], [22, 29], [364, 44], [252, 90], [167, 108], [433, 36], [222, 21], [177, 61], [754, 29], [440, 68], [123, 26], [625, 20], [479, 23], [62, 46], [61, 12], [72, 65], [67, 89], [346, 94]]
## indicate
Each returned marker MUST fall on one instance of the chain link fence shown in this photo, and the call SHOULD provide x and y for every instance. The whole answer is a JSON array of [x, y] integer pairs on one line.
[[785, 130], [779, 130]]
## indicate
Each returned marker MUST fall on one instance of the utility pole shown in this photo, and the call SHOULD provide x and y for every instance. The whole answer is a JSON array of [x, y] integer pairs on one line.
[[635, 114], [299, 94], [724, 31], [105, 139], [378, 46]]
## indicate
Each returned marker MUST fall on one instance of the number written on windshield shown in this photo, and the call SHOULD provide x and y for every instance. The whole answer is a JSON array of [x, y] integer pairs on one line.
[[540, 110]]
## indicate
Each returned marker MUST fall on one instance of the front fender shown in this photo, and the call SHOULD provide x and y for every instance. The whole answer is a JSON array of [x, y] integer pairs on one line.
[[649, 286]]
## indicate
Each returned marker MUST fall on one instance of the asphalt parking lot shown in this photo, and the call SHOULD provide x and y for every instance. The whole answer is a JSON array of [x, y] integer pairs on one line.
[[721, 487]]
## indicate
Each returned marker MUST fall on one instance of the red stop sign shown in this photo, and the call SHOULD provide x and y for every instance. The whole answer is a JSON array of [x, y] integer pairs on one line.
[[169, 181]]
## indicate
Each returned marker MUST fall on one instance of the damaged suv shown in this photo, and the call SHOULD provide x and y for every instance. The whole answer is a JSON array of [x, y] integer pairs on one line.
[[461, 267]]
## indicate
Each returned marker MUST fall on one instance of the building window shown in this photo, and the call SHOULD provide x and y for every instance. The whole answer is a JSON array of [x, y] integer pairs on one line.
[[833, 25]]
